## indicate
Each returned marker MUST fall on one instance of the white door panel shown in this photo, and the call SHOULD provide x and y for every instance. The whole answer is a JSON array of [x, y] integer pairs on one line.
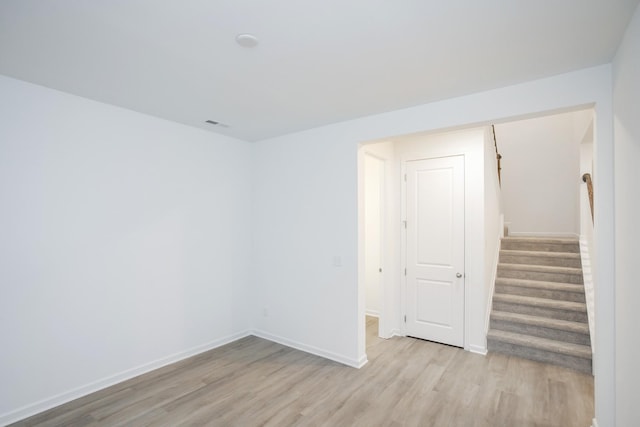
[[435, 249]]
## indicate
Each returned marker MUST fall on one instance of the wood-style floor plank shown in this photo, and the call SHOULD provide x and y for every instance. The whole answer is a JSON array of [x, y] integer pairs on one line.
[[407, 382]]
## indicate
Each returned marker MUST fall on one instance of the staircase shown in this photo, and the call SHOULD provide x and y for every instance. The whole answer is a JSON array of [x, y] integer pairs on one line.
[[539, 309]]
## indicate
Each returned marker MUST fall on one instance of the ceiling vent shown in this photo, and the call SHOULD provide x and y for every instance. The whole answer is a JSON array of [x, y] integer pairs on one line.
[[213, 122]]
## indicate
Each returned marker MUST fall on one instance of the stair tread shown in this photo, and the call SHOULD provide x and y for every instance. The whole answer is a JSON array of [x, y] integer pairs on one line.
[[572, 255], [540, 239], [539, 284], [577, 350], [540, 268], [541, 302], [564, 325], [541, 244]]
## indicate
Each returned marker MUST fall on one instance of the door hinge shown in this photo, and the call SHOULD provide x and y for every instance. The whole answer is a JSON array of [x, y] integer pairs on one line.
[[405, 224], [405, 318], [405, 177], [405, 271]]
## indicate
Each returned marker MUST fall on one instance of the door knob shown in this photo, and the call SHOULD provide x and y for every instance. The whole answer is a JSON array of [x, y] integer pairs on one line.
[[458, 275]]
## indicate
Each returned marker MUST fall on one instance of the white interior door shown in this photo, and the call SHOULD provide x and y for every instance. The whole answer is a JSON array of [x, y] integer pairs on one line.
[[435, 249]]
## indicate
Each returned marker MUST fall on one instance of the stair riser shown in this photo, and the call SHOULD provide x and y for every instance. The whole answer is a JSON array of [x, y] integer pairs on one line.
[[571, 362], [540, 293], [544, 276], [575, 316], [540, 331], [541, 260], [573, 247]]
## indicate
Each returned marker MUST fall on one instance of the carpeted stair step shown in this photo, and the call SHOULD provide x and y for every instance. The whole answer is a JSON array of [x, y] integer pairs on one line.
[[573, 356], [540, 272], [559, 330], [539, 310], [539, 289], [557, 259], [544, 307], [541, 244]]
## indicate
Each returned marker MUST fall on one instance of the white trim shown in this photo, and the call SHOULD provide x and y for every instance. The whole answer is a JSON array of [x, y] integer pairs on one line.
[[354, 363], [67, 396], [403, 247], [396, 333], [478, 349], [372, 313], [492, 285], [361, 362], [589, 287], [589, 294], [542, 234], [594, 423]]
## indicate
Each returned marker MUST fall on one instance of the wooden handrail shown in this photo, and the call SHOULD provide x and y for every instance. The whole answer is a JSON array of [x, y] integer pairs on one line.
[[498, 155], [587, 178]]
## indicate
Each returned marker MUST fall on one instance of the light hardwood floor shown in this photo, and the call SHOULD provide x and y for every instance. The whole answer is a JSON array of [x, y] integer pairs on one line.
[[407, 382]]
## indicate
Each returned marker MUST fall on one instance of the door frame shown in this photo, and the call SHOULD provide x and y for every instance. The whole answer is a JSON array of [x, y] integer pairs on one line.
[[387, 322], [471, 143], [382, 209], [429, 150]]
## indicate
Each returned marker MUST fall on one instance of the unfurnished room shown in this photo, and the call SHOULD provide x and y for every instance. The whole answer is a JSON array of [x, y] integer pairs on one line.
[[319, 213]]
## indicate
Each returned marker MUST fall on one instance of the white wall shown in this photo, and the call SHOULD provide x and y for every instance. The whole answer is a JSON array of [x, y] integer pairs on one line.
[[493, 225], [587, 242], [586, 166], [305, 210], [541, 174], [124, 244], [307, 200], [626, 95]]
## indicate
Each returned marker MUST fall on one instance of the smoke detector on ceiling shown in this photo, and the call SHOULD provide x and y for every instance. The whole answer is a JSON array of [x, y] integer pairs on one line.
[[247, 40]]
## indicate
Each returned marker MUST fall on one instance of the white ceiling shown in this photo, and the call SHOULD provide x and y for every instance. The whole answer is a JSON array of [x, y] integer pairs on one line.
[[318, 62]]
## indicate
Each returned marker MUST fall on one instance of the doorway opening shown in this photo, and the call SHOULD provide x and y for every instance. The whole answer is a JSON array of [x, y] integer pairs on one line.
[[373, 238], [483, 225], [468, 147]]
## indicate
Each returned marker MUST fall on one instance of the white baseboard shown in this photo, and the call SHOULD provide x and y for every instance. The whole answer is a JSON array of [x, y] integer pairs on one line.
[[372, 313], [542, 234], [361, 362], [477, 349], [594, 423], [396, 333], [62, 398], [354, 363]]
